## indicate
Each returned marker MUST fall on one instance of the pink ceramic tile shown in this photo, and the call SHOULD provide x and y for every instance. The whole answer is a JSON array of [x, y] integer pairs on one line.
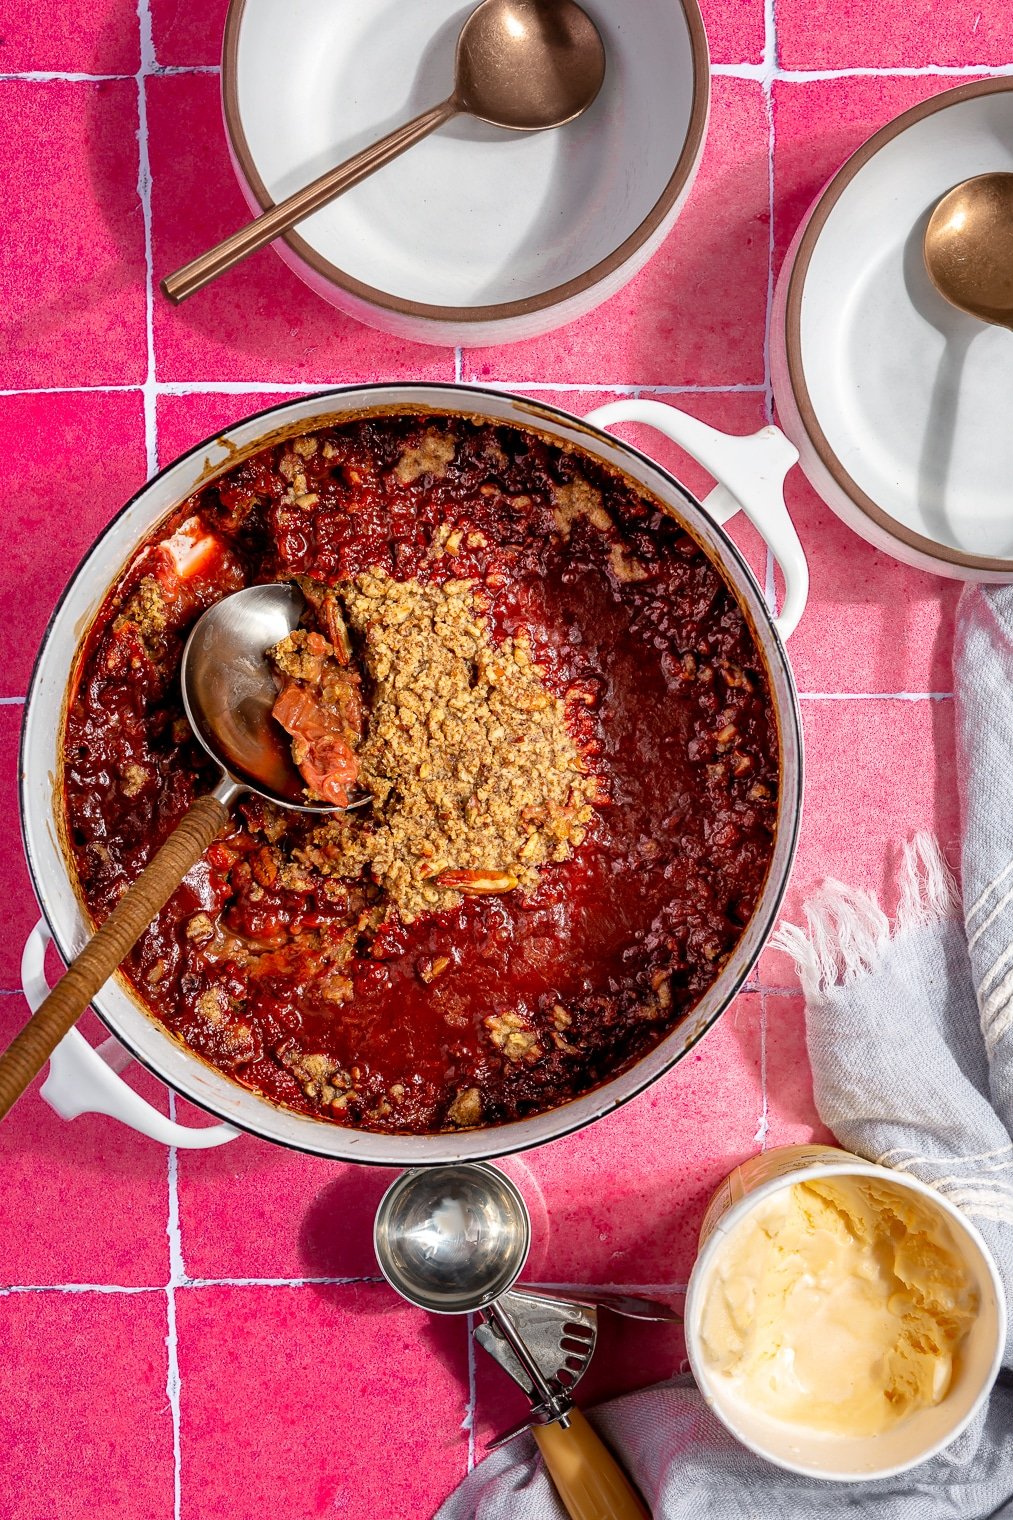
[[96, 1193], [313, 1402], [259, 322], [21, 909], [871, 624], [696, 314], [734, 30], [185, 34], [877, 771], [818, 123], [185, 420], [250, 1209], [95, 37], [896, 33], [85, 1425], [791, 1112], [629, 1354], [621, 1201], [95, 441], [72, 255]]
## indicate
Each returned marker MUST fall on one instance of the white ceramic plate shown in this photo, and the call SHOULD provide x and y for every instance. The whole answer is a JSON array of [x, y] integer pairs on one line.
[[475, 234], [898, 404]]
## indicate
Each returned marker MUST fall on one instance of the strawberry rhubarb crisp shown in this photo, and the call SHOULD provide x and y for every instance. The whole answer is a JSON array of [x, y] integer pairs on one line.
[[559, 717]]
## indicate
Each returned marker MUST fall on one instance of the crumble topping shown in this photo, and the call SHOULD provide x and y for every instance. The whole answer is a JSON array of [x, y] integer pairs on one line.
[[430, 456], [476, 781]]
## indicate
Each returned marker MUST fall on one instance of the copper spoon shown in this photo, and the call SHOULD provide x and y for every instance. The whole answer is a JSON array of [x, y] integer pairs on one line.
[[228, 693], [968, 247], [521, 64]]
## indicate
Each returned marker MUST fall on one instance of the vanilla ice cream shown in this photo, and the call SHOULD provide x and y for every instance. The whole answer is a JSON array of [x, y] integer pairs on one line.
[[838, 1305]]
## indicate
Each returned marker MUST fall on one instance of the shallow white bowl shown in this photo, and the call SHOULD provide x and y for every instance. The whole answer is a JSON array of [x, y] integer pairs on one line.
[[898, 404], [476, 235]]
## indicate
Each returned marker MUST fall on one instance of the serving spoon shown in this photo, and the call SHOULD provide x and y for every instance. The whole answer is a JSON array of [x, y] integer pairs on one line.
[[228, 693], [968, 247], [525, 65]]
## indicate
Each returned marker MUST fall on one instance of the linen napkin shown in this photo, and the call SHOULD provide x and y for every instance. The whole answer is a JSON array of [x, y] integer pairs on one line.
[[910, 1033]]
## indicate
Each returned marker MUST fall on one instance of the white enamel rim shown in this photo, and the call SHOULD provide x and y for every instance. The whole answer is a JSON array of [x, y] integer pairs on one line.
[[905, 166], [511, 234], [143, 1036], [710, 1386]]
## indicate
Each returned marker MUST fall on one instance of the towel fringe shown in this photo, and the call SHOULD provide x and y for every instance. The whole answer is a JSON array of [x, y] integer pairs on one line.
[[847, 933]]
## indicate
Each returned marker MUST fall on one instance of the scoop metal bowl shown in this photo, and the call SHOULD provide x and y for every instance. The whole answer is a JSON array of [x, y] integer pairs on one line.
[[228, 693], [452, 1239]]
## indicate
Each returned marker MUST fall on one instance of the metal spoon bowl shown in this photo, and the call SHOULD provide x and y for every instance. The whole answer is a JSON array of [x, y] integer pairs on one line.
[[452, 1239], [968, 247], [228, 694], [524, 65], [229, 690]]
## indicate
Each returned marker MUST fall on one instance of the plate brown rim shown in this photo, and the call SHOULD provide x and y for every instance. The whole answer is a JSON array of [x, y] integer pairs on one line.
[[793, 325], [506, 309]]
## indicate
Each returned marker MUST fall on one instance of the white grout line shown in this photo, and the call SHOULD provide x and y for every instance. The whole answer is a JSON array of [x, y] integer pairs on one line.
[[60, 76], [623, 388], [39, 76], [177, 1276], [74, 1287], [471, 1409], [272, 387], [760, 1138], [877, 696], [769, 69], [144, 194], [761, 72], [280, 1282]]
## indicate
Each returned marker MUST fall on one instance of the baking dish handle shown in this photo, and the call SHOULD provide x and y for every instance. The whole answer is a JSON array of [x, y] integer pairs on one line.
[[84, 1080], [750, 472]]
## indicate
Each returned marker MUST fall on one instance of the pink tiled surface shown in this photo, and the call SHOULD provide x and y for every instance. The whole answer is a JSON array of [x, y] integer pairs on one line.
[[190, 1306]]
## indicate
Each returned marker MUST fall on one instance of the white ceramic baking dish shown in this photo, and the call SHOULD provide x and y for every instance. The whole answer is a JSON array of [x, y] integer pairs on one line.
[[750, 470]]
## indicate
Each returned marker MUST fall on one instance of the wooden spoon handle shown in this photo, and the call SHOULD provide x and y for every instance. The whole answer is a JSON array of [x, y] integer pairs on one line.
[[587, 1476], [28, 1051], [302, 203]]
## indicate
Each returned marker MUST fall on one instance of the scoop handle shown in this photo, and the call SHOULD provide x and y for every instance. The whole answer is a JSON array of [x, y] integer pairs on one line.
[[28, 1051], [588, 1479]]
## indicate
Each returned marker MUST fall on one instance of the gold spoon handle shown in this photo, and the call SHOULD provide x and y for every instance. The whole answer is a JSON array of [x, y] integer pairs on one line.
[[28, 1051], [587, 1476], [271, 224]]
